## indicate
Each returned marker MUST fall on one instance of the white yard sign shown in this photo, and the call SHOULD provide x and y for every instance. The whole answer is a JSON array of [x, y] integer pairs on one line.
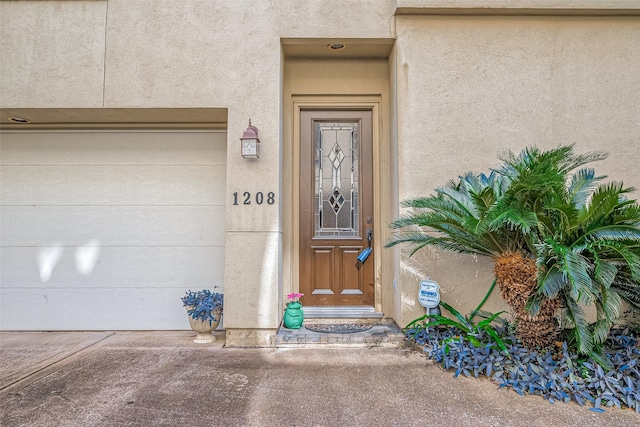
[[429, 294]]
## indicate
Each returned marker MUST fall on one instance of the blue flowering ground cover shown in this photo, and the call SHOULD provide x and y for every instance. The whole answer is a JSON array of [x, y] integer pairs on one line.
[[558, 375]]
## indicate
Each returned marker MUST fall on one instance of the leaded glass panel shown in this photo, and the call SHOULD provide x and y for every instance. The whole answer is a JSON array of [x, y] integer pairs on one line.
[[336, 179]]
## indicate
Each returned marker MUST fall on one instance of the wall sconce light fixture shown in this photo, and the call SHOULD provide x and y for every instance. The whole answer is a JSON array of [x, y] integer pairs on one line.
[[250, 144]]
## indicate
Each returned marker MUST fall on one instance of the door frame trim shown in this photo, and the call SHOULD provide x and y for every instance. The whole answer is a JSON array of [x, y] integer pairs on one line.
[[333, 103]]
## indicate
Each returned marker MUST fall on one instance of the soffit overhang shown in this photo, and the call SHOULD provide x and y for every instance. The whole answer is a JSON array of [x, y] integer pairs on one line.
[[176, 118], [354, 48], [519, 7]]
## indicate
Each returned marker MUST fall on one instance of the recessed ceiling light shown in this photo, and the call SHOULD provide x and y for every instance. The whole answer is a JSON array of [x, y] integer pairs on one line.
[[337, 46], [20, 120]]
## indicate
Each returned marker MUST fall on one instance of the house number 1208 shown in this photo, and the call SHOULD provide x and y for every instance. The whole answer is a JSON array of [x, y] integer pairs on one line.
[[259, 198]]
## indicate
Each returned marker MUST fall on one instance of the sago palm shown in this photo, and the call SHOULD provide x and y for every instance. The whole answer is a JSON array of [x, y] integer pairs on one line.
[[537, 190], [586, 242], [591, 258], [470, 216], [557, 240]]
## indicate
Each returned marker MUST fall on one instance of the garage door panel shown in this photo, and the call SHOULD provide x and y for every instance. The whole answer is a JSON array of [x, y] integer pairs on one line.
[[114, 148], [112, 225], [93, 309], [108, 229], [113, 185], [100, 267]]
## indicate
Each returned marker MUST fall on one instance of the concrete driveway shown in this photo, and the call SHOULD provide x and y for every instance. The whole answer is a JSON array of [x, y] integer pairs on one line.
[[164, 379]]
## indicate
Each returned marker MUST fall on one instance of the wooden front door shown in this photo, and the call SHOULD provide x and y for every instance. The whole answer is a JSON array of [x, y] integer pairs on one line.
[[336, 207]]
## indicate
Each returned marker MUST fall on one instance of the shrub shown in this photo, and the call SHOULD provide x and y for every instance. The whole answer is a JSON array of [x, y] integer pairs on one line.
[[560, 375], [203, 305]]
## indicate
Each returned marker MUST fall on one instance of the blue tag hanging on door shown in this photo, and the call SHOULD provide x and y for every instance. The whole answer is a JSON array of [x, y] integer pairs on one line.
[[362, 257]]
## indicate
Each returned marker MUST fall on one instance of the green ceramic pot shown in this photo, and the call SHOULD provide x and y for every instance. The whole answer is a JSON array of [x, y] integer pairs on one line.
[[293, 315]]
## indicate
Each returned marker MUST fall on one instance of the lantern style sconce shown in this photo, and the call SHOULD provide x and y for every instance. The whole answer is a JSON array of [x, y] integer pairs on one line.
[[250, 144]]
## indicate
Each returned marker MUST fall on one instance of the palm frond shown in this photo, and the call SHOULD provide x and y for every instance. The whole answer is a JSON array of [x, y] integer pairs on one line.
[[575, 267], [628, 289], [582, 185], [425, 219], [604, 201], [515, 219], [625, 257], [433, 208], [611, 304], [605, 272], [462, 200], [608, 309], [574, 161], [615, 232], [435, 203], [581, 330], [627, 213], [601, 331], [458, 244], [458, 211], [550, 281]]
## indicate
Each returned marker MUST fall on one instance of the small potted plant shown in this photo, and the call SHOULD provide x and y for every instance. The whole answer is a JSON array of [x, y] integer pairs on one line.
[[293, 314], [205, 310]]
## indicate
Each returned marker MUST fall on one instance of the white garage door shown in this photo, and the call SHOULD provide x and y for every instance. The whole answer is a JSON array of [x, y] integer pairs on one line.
[[106, 230]]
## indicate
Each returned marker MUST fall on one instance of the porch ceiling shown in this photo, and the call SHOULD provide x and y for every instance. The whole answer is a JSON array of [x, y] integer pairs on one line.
[[353, 48]]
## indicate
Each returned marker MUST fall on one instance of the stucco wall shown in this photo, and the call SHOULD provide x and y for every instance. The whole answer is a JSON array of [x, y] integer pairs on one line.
[[465, 87], [469, 87], [200, 53]]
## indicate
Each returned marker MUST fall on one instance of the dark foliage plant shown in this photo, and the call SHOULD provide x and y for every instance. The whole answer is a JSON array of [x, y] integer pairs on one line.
[[558, 376], [476, 334], [203, 305]]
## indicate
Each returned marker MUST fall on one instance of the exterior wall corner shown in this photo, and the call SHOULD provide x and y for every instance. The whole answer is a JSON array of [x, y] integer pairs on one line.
[[247, 337]]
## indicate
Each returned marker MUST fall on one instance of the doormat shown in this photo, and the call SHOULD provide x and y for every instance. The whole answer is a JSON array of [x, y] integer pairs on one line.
[[339, 328]]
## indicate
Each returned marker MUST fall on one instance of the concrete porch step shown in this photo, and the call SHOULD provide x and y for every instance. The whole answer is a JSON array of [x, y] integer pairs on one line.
[[383, 333]]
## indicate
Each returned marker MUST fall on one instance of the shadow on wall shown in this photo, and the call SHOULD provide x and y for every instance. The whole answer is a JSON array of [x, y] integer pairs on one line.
[[464, 281]]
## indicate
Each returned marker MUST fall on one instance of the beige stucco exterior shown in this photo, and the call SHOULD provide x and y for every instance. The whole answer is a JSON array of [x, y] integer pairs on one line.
[[452, 83], [474, 86]]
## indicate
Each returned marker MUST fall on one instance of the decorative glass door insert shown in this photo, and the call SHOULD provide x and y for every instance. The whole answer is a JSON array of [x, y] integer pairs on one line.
[[336, 180]]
